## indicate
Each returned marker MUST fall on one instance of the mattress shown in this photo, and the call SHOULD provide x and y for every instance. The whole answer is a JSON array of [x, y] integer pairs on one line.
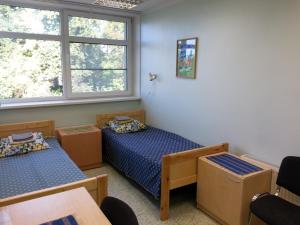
[[139, 155], [37, 170]]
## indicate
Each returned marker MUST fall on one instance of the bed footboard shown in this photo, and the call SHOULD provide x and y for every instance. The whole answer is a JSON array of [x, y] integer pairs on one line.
[[180, 169], [96, 186]]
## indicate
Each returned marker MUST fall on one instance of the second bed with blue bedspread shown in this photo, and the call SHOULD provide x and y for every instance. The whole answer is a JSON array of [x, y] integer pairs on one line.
[[37, 170], [139, 155]]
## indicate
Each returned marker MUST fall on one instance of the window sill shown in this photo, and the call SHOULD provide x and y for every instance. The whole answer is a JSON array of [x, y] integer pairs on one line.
[[64, 102]]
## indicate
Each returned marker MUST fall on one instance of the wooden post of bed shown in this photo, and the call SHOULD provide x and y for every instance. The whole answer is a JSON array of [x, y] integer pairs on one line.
[[165, 189], [102, 182], [180, 169]]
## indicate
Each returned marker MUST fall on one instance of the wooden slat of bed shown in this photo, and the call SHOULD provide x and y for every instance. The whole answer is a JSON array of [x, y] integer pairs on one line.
[[103, 118], [96, 186], [46, 127]]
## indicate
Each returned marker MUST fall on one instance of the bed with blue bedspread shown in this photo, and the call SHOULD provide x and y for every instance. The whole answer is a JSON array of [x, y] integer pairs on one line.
[[37, 170], [139, 155], [157, 160]]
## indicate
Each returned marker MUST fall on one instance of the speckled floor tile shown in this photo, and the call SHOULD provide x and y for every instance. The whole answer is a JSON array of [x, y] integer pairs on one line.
[[183, 209]]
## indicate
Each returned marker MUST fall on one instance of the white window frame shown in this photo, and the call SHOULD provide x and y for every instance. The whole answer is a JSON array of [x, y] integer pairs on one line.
[[65, 39], [127, 42]]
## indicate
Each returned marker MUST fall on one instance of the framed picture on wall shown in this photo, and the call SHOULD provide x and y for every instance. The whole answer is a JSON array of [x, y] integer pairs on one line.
[[187, 58]]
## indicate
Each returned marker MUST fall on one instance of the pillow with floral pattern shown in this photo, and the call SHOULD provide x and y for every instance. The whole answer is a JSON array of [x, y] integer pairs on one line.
[[8, 149], [130, 127]]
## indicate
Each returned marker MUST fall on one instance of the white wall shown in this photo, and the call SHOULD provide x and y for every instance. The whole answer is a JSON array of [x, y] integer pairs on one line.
[[68, 115], [247, 90]]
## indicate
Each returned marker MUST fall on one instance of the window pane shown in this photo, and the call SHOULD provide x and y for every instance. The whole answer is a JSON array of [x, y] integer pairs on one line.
[[98, 80], [25, 20], [96, 28], [30, 68], [96, 56]]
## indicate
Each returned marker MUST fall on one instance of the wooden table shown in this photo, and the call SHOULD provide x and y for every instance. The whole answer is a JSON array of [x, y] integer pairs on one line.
[[76, 202], [82, 144]]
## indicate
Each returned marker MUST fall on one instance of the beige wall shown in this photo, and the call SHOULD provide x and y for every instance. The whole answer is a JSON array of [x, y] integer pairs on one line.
[[247, 88], [66, 115]]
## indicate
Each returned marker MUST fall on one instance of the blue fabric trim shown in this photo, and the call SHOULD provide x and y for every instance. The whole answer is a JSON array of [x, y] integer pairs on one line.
[[69, 220], [234, 164]]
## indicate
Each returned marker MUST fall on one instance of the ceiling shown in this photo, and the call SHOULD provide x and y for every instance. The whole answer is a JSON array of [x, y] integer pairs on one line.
[[147, 5]]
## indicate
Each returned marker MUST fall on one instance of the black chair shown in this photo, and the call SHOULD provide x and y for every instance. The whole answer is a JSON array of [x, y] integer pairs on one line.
[[118, 212], [274, 210]]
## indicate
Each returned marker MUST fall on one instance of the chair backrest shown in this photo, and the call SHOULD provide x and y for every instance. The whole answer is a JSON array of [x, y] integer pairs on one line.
[[289, 174], [118, 212]]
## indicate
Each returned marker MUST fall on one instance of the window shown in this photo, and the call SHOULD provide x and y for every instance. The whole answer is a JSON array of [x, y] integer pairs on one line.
[[98, 68], [97, 28], [25, 20], [49, 55], [30, 66], [98, 55]]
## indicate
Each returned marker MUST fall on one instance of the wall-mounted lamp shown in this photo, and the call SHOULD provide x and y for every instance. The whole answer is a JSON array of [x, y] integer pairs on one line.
[[152, 76]]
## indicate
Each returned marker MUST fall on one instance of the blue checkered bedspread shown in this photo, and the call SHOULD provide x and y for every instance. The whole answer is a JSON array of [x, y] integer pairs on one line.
[[139, 155], [37, 170]]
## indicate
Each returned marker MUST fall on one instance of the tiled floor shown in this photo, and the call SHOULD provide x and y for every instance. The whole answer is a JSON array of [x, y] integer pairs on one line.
[[183, 205]]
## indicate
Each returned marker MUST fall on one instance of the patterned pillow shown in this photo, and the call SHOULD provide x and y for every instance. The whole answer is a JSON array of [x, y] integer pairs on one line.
[[9, 149], [129, 127]]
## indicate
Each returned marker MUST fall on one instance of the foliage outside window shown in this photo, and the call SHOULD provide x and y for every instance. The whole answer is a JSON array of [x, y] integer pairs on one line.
[[34, 43]]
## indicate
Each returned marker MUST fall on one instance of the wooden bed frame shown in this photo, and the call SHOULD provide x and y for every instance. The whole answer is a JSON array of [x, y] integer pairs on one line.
[[178, 169], [96, 186]]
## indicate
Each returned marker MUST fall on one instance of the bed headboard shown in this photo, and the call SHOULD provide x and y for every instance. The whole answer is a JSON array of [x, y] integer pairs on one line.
[[103, 118], [46, 127]]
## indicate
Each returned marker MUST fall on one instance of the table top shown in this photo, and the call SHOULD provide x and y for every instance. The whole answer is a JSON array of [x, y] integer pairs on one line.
[[77, 130], [77, 202]]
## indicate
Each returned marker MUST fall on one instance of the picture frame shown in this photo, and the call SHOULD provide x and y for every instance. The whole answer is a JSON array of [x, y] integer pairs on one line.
[[186, 59]]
